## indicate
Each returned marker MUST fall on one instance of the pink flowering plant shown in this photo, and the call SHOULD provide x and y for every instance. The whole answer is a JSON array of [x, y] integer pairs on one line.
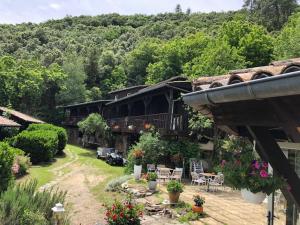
[[244, 171]]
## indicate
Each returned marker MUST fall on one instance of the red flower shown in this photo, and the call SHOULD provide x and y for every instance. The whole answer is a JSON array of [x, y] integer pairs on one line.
[[114, 217], [129, 206], [121, 214]]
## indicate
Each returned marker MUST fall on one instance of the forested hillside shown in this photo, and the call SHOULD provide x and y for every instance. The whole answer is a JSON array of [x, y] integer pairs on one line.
[[77, 59]]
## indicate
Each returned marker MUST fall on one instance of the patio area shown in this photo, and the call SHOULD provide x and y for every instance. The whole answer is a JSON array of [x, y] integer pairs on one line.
[[223, 207]]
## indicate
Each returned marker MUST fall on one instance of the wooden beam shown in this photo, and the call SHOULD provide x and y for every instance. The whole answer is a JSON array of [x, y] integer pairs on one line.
[[268, 148]]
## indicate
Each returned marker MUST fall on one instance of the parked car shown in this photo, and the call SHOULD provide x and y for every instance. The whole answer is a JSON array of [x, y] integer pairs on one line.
[[115, 159], [103, 152]]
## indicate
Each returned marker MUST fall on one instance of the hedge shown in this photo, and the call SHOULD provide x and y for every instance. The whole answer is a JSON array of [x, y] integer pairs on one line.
[[6, 161], [61, 133], [41, 145]]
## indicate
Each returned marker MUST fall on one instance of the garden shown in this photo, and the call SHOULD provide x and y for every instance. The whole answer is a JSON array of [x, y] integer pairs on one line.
[[154, 188]]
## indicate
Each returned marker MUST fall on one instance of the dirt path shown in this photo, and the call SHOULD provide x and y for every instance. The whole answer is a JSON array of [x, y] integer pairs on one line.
[[83, 208]]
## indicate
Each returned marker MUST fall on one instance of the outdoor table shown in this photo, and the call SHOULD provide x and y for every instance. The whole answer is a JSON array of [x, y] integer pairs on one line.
[[207, 176]]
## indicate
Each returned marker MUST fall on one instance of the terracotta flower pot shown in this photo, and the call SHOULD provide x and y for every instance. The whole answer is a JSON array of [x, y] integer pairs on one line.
[[197, 209], [174, 197]]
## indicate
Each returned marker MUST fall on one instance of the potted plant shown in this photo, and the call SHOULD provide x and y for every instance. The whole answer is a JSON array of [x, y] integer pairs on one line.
[[174, 189], [137, 157], [251, 176], [199, 201], [151, 178]]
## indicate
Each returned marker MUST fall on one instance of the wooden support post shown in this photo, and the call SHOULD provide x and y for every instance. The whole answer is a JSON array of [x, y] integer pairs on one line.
[[268, 148], [170, 100], [129, 108], [147, 101]]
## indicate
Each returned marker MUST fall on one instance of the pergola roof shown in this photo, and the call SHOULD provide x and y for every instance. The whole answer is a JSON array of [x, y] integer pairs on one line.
[[179, 83], [86, 103], [20, 115], [252, 103], [4, 122]]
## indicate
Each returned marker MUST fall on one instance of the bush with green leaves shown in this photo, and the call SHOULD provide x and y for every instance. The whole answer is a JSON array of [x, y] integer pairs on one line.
[[158, 150], [61, 133], [23, 205], [6, 161], [40, 145], [115, 184]]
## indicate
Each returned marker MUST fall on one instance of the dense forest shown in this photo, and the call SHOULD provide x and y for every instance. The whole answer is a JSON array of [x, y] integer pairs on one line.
[[78, 59]]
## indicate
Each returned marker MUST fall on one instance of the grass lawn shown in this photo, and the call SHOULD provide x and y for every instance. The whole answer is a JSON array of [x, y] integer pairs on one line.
[[43, 173]]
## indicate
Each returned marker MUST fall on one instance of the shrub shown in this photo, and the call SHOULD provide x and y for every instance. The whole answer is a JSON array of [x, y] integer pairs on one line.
[[22, 163], [61, 133], [21, 203], [174, 186], [115, 184], [41, 145], [6, 161], [125, 213]]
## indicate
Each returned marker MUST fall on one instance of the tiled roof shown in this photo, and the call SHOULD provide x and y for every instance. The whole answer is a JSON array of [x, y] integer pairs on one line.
[[237, 76], [20, 115], [4, 122]]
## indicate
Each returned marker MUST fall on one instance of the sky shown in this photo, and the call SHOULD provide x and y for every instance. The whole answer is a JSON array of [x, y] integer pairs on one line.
[[18, 11]]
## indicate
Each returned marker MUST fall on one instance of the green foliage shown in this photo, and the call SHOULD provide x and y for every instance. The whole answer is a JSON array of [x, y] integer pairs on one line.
[[115, 184], [41, 145], [199, 201], [21, 204], [21, 165], [174, 186], [288, 41], [198, 123], [94, 124], [189, 216], [157, 150], [61, 133], [218, 58], [245, 171], [152, 176], [74, 90], [153, 149], [273, 14], [251, 41], [6, 161]]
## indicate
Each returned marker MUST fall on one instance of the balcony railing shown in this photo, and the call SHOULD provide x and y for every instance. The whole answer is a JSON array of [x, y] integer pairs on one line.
[[73, 120], [163, 122]]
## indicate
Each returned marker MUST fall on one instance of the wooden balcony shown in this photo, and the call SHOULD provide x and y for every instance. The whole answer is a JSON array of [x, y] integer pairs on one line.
[[73, 120], [164, 123]]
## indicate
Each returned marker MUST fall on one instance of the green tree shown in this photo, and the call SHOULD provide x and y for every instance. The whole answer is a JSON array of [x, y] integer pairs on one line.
[[288, 41], [74, 84], [251, 41], [137, 61], [218, 58], [273, 14]]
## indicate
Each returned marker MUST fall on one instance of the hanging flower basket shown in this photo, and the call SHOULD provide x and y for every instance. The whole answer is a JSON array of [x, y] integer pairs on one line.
[[255, 198]]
